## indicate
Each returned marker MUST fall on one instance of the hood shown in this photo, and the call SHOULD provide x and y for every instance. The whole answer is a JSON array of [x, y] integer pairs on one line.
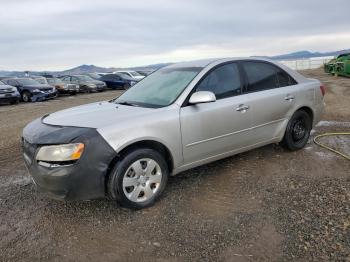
[[95, 115], [37, 86], [93, 82]]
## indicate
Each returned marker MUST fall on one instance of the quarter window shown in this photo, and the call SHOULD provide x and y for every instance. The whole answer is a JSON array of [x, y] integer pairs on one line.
[[223, 81], [284, 79]]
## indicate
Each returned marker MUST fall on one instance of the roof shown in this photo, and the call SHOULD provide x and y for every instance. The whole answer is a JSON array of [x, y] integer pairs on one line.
[[205, 62], [196, 63]]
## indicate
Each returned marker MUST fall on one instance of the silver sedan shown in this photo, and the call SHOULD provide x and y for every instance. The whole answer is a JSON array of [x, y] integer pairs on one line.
[[182, 116]]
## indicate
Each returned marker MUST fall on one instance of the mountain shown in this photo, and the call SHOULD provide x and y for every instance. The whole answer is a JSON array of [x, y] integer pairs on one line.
[[84, 69], [307, 54]]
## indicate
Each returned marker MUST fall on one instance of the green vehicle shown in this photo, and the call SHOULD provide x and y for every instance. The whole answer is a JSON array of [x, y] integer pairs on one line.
[[339, 66]]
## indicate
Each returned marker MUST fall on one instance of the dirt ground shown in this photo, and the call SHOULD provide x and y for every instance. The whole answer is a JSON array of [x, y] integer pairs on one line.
[[263, 205]]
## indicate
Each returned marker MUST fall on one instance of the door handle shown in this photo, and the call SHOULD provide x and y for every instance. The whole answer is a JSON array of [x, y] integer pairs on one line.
[[289, 98], [242, 108]]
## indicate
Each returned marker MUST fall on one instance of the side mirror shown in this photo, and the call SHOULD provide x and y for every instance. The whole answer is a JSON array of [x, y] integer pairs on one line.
[[202, 97]]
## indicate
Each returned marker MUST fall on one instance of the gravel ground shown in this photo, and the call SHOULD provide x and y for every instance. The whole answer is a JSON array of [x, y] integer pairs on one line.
[[263, 205]]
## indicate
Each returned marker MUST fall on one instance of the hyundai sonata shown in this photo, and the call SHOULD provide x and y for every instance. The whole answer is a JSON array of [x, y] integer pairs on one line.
[[182, 116]]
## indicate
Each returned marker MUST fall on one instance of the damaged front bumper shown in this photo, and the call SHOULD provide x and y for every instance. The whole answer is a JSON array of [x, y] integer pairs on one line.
[[43, 96], [83, 179]]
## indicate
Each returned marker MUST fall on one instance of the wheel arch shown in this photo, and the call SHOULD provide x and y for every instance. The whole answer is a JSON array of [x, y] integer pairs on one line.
[[150, 144], [308, 110]]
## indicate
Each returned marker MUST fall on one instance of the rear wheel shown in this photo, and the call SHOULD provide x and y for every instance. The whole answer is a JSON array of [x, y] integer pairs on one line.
[[138, 179], [298, 131], [26, 97]]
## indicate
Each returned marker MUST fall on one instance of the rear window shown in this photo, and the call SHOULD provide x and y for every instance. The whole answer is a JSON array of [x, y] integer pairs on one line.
[[264, 76], [261, 76]]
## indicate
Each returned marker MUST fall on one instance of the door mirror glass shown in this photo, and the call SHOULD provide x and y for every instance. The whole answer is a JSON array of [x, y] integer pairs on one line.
[[202, 97]]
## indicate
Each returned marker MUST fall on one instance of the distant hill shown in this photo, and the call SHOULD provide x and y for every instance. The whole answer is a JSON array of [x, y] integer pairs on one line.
[[307, 54], [84, 69]]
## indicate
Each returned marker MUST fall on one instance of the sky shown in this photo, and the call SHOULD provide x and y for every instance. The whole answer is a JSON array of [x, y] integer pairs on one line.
[[61, 34]]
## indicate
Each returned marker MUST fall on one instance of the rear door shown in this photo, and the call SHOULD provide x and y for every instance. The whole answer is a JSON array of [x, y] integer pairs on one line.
[[216, 128], [273, 94]]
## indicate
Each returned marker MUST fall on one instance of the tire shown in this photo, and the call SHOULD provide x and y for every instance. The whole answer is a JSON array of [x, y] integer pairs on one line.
[[26, 97], [15, 102], [298, 131], [132, 170]]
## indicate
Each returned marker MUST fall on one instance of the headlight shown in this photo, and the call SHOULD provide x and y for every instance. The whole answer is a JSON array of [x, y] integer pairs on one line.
[[91, 85], [60, 153], [36, 91], [132, 83]]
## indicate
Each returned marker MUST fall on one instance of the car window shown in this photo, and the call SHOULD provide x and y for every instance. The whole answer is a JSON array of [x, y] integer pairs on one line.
[[284, 79], [261, 76], [12, 82], [223, 81]]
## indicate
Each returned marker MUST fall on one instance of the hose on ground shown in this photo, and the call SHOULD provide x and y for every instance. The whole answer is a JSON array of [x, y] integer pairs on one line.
[[329, 148]]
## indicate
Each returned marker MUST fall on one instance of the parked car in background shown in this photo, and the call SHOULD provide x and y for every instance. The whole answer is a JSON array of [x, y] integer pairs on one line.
[[31, 90], [9, 94], [182, 116], [86, 83], [145, 72], [62, 87], [94, 76], [132, 74], [41, 80], [117, 81]]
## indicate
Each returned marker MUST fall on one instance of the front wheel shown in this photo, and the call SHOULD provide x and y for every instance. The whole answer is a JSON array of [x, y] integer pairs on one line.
[[138, 179], [26, 97], [297, 131]]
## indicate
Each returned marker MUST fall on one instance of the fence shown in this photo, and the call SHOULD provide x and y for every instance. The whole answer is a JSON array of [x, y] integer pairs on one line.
[[309, 63]]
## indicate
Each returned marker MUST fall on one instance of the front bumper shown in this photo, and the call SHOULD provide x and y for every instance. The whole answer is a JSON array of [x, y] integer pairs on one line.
[[9, 98], [37, 97], [84, 179], [101, 87]]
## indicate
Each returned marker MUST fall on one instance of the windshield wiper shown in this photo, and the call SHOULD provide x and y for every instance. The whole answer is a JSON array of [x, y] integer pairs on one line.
[[126, 103]]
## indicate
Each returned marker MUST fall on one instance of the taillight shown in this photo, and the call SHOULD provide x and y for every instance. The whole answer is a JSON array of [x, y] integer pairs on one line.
[[323, 90]]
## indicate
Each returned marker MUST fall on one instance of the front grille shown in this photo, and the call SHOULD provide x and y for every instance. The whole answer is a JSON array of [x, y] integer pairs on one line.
[[71, 86], [46, 89]]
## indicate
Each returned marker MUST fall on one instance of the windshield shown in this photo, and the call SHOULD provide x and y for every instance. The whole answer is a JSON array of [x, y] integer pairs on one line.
[[85, 78], [160, 88], [94, 76], [27, 81], [135, 73], [55, 81], [41, 80]]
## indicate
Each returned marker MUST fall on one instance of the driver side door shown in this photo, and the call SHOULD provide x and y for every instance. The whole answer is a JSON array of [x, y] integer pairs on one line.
[[217, 129]]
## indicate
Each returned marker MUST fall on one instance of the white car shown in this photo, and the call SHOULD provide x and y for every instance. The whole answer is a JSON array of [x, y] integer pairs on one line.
[[132, 74]]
